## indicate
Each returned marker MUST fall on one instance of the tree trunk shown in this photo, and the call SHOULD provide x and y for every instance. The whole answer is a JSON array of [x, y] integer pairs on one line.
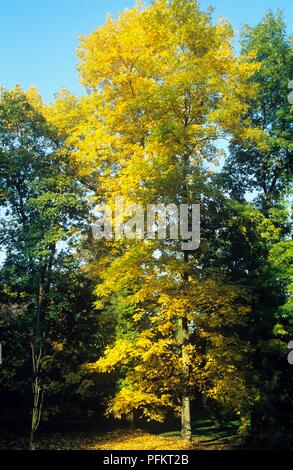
[[185, 397], [185, 416], [38, 391], [129, 419], [38, 395], [37, 386], [184, 334]]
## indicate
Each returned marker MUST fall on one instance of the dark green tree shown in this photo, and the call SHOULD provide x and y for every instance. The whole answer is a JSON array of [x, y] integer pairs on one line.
[[262, 176], [265, 174], [43, 210]]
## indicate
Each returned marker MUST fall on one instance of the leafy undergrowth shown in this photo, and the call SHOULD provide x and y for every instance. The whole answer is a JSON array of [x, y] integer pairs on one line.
[[138, 440], [206, 436], [119, 440]]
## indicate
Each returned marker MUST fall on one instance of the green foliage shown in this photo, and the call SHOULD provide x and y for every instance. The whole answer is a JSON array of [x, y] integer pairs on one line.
[[43, 214], [267, 170]]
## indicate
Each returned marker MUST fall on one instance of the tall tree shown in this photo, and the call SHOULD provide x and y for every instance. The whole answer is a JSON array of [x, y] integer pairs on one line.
[[164, 85], [42, 206], [263, 174]]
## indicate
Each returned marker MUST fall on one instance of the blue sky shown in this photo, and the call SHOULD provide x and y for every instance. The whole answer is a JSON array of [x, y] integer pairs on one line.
[[38, 38]]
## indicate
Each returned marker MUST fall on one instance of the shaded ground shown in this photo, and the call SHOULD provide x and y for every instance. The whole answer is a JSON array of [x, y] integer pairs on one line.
[[206, 436]]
